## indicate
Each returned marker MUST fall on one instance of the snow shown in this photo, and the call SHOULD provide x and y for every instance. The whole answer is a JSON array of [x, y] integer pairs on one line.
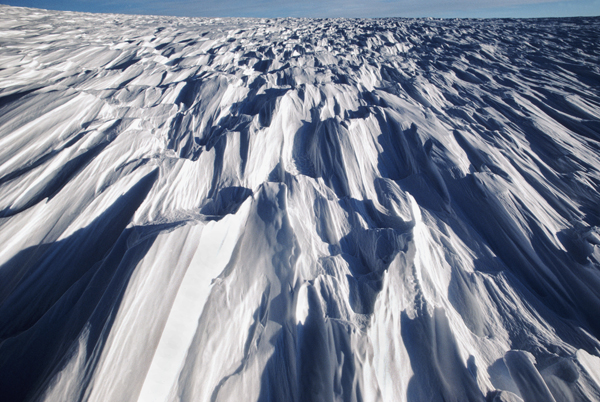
[[298, 209]]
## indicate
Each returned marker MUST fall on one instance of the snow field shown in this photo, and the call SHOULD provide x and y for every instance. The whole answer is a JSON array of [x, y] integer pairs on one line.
[[298, 210]]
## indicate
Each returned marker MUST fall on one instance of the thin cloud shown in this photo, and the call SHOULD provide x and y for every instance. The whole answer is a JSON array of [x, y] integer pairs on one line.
[[317, 8], [325, 8]]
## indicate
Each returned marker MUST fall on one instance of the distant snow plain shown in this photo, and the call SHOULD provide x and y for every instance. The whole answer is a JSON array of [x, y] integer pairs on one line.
[[298, 209]]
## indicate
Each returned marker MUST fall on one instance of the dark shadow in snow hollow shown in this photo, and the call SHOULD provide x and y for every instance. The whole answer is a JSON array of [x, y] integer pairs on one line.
[[54, 291]]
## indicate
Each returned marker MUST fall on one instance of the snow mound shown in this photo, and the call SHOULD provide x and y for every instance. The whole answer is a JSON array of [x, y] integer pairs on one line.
[[298, 209]]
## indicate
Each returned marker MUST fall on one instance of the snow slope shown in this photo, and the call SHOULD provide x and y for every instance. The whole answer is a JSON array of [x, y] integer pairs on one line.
[[298, 210]]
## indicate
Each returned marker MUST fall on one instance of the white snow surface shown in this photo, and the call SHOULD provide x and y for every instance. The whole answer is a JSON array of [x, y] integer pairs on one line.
[[298, 209]]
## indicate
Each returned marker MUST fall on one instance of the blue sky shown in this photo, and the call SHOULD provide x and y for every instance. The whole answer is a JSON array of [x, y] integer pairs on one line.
[[326, 8]]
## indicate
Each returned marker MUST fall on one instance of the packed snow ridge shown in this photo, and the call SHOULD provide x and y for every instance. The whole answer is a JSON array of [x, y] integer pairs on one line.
[[298, 210]]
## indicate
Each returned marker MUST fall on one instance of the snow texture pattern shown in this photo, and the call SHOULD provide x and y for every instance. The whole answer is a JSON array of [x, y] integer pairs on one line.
[[298, 209]]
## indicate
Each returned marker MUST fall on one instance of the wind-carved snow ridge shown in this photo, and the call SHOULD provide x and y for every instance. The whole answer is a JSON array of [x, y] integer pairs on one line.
[[298, 210]]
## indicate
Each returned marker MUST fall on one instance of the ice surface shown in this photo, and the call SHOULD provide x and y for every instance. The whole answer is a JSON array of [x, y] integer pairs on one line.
[[298, 210]]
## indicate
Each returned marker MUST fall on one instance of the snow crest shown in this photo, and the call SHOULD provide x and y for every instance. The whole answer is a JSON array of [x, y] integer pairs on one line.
[[298, 209]]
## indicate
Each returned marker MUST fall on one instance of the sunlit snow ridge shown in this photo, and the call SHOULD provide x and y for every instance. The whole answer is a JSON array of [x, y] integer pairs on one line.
[[298, 209]]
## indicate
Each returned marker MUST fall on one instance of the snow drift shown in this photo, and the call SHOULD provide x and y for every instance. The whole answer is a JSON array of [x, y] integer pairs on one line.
[[298, 210]]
